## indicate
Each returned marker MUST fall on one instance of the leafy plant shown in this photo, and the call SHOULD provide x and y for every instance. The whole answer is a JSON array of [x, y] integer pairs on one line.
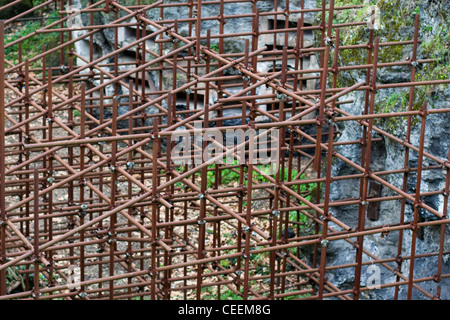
[[31, 46], [230, 295], [227, 295], [214, 47], [298, 296], [225, 263], [14, 280], [436, 47]]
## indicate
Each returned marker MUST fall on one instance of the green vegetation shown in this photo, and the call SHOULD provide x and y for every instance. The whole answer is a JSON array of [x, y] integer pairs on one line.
[[214, 46], [231, 175], [227, 295], [350, 36], [141, 298], [397, 19], [397, 23], [437, 46], [230, 295], [33, 45], [298, 296], [15, 282], [14, 279], [393, 101]]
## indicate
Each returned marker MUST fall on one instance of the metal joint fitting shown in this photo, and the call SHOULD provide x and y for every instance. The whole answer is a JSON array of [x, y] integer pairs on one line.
[[437, 278], [34, 295], [281, 96]]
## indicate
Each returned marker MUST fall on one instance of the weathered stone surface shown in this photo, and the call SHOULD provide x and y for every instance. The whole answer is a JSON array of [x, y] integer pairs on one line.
[[389, 155]]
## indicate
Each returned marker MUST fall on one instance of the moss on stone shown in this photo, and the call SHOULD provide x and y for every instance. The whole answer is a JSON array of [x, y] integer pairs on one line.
[[397, 24]]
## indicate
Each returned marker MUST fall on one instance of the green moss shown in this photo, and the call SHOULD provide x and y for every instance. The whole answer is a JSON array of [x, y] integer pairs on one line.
[[397, 24], [396, 20], [215, 47], [437, 46], [296, 297], [397, 101]]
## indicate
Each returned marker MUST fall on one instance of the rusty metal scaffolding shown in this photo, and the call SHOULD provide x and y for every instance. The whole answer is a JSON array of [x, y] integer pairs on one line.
[[138, 225]]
